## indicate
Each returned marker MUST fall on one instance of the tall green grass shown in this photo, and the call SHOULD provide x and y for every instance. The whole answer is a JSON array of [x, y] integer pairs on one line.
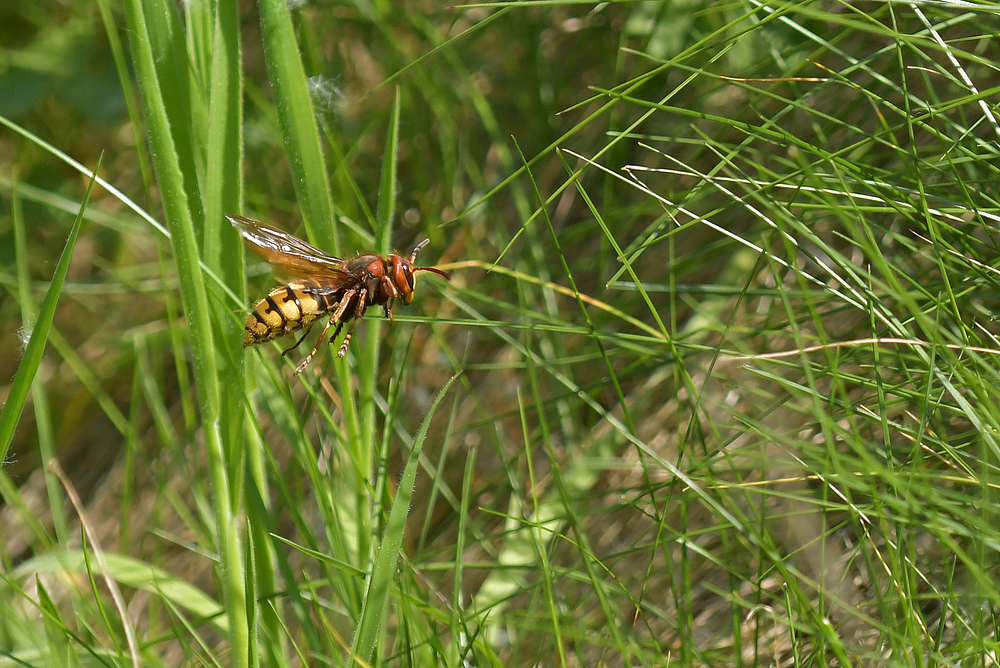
[[714, 381]]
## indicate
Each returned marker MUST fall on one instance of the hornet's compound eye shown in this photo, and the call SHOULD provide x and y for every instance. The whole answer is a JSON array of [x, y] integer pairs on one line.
[[404, 281]]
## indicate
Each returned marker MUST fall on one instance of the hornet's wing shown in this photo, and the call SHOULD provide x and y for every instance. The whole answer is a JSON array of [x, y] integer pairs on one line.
[[288, 252]]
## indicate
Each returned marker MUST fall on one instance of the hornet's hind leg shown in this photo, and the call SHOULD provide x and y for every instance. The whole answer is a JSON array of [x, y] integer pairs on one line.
[[302, 367], [336, 317], [301, 339]]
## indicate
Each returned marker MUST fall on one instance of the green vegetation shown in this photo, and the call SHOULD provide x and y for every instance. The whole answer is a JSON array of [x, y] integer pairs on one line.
[[714, 383]]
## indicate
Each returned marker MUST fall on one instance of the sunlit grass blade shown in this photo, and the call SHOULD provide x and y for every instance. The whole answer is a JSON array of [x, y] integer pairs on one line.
[[132, 573], [26, 370]]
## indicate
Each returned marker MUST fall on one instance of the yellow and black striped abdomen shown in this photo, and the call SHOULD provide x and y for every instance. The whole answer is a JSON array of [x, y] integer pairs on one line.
[[286, 309]]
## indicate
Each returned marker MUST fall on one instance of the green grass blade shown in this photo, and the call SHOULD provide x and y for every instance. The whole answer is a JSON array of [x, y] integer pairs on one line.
[[368, 364], [312, 188], [298, 123], [128, 90], [39, 394], [384, 570], [150, 33], [28, 367], [388, 183]]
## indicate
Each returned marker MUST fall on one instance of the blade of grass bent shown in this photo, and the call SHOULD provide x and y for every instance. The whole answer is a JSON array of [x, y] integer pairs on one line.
[[384, 569], [39, 396], [26, 370]]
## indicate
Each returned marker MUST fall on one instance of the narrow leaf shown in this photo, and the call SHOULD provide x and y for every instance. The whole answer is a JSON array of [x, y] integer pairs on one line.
[[380, 581], [28, 367]]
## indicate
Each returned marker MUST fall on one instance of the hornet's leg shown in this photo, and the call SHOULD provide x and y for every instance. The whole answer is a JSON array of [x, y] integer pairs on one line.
[[302, 367], [336, 317], [392, 298], [336, 332], [388, 309], [359, 313], [301, 339]]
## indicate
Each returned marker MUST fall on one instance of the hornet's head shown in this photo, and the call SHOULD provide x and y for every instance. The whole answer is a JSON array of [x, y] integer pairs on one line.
[[401, 272]]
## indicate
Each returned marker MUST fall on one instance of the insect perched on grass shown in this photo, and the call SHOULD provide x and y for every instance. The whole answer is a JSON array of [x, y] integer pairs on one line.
[[325, 285]]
